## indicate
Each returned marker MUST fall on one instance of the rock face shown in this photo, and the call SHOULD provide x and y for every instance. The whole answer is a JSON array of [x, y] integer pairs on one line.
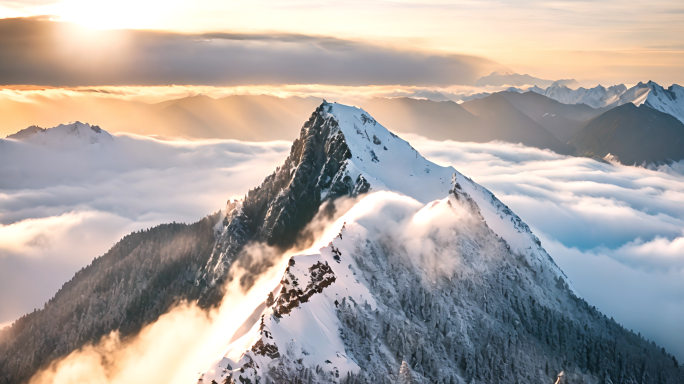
[[276, 212], [431, 280]]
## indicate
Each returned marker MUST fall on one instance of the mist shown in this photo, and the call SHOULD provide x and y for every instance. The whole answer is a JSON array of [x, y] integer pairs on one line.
[[615, 230], [181, 343], [172, 349]]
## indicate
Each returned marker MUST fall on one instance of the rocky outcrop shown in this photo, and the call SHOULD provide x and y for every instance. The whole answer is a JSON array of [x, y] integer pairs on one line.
[[276, 212]]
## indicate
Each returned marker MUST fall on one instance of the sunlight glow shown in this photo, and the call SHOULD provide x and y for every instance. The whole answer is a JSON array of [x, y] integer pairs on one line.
[[605, 41], [115, 14]]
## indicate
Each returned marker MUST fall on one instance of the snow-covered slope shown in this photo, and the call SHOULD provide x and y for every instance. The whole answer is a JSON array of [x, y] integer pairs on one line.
[[390, 163], [670, 100], [446, 227], [596, 97], [64, 136]]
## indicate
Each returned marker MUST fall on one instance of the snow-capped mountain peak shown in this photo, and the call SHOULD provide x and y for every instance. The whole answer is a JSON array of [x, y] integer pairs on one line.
[[434, 222], [596, 97], [386, 161], [64, 136], [670, 100], [650, 94]]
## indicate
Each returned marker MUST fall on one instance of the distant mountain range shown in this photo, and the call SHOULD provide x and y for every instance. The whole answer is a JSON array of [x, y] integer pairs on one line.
[[517, 80], [550, 118], [670, 100], [245, 117], [640, 125]]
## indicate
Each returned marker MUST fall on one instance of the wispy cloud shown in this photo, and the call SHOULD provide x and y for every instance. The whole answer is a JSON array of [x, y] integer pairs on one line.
[[616, 231]]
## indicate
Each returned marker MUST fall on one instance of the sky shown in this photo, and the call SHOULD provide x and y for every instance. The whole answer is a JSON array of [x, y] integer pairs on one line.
[[606, 41], [616, 231]]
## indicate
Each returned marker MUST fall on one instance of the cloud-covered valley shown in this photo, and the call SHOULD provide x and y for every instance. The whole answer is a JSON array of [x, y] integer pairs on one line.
[[60, 209], [616, 231]]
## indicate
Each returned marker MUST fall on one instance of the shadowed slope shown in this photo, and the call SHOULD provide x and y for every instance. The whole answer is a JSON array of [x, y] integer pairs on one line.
[[502, 121], [563, 120], [636, 135]]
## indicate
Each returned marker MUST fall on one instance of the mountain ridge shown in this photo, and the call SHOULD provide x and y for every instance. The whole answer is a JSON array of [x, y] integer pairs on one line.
[[667, 100], [634, 134], [563, 120], [498, 111], [596, 97]]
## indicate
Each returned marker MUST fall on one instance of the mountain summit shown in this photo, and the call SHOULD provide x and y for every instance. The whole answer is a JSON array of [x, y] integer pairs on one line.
[[429, 275], [428, 278], [596, 97], [666, 100]]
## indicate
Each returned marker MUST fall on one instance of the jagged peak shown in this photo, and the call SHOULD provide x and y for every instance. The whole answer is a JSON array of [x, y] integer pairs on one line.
[[344, 151]]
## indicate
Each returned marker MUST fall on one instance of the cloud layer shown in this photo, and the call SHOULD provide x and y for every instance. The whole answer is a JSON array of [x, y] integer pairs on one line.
[[59, 210], [616, 231], [44, 52]]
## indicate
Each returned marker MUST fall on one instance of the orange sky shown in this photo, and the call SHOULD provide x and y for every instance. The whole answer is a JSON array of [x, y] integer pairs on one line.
[[606, 41]]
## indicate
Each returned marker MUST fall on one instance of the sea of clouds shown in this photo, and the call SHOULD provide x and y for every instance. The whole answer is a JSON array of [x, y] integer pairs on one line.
[[61, 209], [616, 231]]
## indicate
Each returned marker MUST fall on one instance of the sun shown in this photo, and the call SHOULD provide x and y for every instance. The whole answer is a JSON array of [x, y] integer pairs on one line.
[[115, 14]]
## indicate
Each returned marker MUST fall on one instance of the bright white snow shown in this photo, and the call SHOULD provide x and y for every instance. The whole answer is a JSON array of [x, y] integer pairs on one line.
[[670, 100]]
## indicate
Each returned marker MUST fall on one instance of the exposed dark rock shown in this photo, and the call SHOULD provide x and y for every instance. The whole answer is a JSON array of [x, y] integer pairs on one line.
[[276, 212]]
